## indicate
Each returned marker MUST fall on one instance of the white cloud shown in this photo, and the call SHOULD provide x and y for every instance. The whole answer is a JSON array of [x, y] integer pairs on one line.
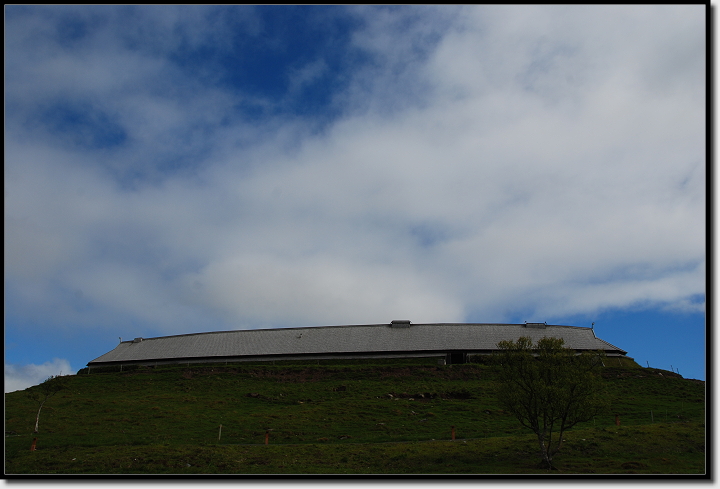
[[492, 159], [19, 377], [319, 290]]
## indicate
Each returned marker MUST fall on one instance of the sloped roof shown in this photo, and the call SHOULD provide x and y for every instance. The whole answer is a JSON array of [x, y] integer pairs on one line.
[[375, 339]]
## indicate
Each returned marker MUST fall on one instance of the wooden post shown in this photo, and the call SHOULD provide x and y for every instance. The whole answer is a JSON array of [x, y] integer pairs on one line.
[[267, 437], [617, 420], [32, 447], [453, 433], [219, 432]]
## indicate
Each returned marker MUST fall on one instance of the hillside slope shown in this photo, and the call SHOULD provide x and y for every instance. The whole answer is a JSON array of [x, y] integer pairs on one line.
[[395, 417]]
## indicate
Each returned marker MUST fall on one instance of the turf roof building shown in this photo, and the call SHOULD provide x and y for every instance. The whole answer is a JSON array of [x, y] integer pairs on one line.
[[449, 342]]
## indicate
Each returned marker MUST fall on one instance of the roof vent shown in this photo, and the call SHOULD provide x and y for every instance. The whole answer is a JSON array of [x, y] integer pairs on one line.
[[137, 340], [400, 323], [536, 325]]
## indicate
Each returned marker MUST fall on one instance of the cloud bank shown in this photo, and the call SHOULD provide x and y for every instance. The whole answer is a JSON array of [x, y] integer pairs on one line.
[[431, 163], [19, 377]]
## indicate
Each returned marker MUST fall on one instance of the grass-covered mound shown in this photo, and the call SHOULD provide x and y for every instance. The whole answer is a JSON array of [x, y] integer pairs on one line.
[[339, 418]]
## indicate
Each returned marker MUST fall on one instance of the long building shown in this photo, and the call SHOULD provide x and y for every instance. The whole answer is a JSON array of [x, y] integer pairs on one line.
[[449, 342]]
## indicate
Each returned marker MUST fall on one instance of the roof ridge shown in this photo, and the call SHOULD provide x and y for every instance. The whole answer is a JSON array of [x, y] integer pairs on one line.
[[345, 326]]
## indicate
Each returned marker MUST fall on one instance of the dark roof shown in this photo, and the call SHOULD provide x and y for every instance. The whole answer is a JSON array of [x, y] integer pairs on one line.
[[399, 336]]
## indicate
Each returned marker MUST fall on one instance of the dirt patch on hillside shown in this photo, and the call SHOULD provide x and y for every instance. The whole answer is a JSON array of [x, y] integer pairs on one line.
[[455, 372], [292, 375], [426, 396]]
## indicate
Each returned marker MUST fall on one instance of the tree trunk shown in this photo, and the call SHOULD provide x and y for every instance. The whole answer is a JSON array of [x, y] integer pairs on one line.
[[37, 418], [547, 459], [544, 452]]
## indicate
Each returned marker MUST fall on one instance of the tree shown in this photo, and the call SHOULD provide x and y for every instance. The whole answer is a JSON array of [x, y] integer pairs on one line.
[[44, 391], [549, 388]]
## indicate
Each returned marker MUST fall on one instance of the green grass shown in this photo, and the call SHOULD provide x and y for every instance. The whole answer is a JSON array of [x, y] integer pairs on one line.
[[336, 418]]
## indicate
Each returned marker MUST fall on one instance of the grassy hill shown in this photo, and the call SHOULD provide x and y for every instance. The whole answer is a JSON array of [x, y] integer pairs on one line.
[[392, 417]]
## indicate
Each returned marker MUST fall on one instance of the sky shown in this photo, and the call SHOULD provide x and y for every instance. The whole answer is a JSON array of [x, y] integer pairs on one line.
[[180, 169]]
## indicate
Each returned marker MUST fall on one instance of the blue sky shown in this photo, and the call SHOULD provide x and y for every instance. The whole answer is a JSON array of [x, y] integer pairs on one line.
[[178, 169]]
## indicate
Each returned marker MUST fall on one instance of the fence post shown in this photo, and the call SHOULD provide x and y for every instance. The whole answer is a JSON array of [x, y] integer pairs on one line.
[[453, 433], [219, 432], [617, 420], [32, 447], [267, 437]]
